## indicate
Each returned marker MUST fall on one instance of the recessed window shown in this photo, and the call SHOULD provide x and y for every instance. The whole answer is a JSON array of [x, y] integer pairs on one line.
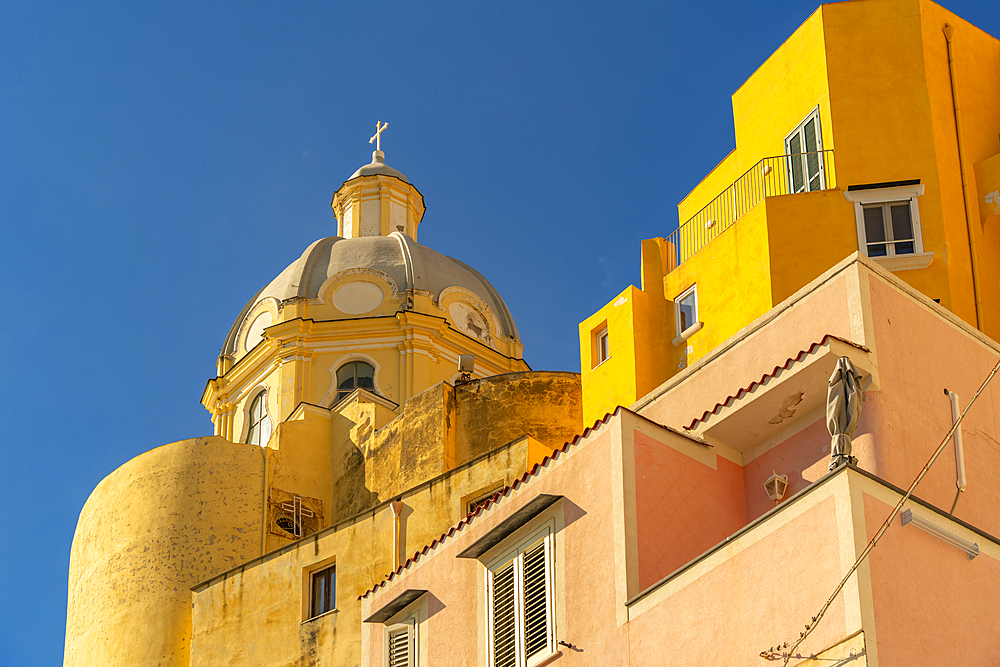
[[686, 310], [480, 500], [603, 347], [888, 222], [352, 375], [519, 606], [260, 424], [888, 229], [323, 596], [804, 148]]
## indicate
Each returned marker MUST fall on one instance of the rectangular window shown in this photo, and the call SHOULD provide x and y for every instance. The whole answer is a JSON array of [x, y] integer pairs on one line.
[[603, 349], [473, 504], [600, 345], [889, 229], [888, 222], [686, 310], [323, 597], [804, 147], [520, 605]]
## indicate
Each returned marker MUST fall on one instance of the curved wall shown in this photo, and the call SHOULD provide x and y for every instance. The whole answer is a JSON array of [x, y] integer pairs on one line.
[[161, 523]]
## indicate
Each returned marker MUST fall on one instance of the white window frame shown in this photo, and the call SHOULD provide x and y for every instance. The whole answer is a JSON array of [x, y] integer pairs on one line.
[[918, 259], [800, 130], [410, 626], [258, 392], [603, 351], [546, 536], [696, 326]]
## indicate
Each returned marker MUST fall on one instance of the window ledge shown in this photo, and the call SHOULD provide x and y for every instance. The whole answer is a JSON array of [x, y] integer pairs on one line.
[[920, 260], [316, 618], [687, 333], [547, 659]]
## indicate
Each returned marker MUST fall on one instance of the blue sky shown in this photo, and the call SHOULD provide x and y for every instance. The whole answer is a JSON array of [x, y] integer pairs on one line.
[[158, 165]]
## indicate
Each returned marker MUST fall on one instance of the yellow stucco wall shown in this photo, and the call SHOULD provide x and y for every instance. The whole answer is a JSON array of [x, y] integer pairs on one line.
[[153, 528], [733, 278], [255, 615]]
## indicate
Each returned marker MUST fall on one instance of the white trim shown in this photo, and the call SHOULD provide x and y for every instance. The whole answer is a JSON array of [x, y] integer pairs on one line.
[[410, 625], [694, 328], [918, 259], [819, 148], [602, 334], [515, 554], [247, 404]]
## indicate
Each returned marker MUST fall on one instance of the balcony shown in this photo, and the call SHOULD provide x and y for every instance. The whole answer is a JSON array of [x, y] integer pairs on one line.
[[772, 176]]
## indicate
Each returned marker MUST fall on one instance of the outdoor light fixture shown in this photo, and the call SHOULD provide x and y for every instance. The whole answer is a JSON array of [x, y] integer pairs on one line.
[[766, 169], [968, 547], [775, 487], [709, 223]]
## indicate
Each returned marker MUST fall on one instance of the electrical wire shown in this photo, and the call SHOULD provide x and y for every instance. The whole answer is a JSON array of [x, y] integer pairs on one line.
[[790, 652]]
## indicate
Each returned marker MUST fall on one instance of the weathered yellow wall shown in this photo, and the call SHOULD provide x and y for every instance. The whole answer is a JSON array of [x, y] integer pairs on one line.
[[254, 615], [153, 528], [446, 426]]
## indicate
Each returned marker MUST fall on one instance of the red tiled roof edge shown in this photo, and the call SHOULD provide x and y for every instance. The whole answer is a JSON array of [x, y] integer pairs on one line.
[[493, 500], [763, 378]]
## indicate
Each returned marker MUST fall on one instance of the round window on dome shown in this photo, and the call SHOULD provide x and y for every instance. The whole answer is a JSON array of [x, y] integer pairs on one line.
[[352, 375]]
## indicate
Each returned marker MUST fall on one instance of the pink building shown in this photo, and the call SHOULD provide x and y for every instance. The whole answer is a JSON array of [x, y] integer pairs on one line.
[[650, 539]]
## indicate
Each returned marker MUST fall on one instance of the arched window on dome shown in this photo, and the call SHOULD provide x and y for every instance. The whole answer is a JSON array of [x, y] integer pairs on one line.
[[260, 424], [352, 375]]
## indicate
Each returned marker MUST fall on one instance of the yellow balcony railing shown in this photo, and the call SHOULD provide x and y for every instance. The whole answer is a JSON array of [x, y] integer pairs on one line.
[[772, 176]]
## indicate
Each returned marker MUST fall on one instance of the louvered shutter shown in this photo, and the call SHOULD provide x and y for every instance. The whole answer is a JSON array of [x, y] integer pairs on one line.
[[504, 621], [536, 604], [401, 647]]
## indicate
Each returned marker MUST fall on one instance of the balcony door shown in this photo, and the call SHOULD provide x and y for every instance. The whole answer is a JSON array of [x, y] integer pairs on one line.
[[804, 148]]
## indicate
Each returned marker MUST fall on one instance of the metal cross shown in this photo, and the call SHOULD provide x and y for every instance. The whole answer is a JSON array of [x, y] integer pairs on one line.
[[377, 139], [298, 511]]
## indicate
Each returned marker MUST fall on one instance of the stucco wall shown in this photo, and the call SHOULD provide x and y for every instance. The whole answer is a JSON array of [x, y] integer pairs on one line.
[[153, 528]]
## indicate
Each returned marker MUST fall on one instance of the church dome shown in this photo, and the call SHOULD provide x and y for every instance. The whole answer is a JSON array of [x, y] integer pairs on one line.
[[409, 265]]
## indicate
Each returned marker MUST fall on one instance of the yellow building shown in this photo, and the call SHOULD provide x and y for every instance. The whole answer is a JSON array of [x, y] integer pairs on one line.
[[872, 129], [345, 434]]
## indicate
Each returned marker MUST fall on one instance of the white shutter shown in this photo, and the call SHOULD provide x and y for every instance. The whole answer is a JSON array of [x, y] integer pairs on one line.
[[504, 628], [536, 602], [401, 647]]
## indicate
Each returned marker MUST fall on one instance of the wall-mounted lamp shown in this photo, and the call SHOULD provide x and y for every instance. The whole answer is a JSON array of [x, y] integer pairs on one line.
[[709, 223], [968, 547], [765, 170], [775, 486]]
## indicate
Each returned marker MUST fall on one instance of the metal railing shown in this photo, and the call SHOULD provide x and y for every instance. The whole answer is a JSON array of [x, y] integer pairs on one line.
[[772, 176]]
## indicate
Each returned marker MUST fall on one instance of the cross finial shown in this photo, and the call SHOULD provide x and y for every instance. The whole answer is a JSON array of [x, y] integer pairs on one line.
[[377, 139]]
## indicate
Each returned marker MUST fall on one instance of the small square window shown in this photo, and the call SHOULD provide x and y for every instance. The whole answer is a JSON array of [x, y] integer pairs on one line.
[[323, 597], [473, 504], [686, 310]]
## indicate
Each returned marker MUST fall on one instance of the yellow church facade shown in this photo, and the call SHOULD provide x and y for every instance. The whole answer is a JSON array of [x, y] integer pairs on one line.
[[365, 399], [872, 129]]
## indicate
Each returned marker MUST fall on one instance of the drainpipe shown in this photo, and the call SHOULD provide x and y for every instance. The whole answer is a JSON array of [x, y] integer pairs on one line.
[[949, 34], [397, 509], [263, 503]]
